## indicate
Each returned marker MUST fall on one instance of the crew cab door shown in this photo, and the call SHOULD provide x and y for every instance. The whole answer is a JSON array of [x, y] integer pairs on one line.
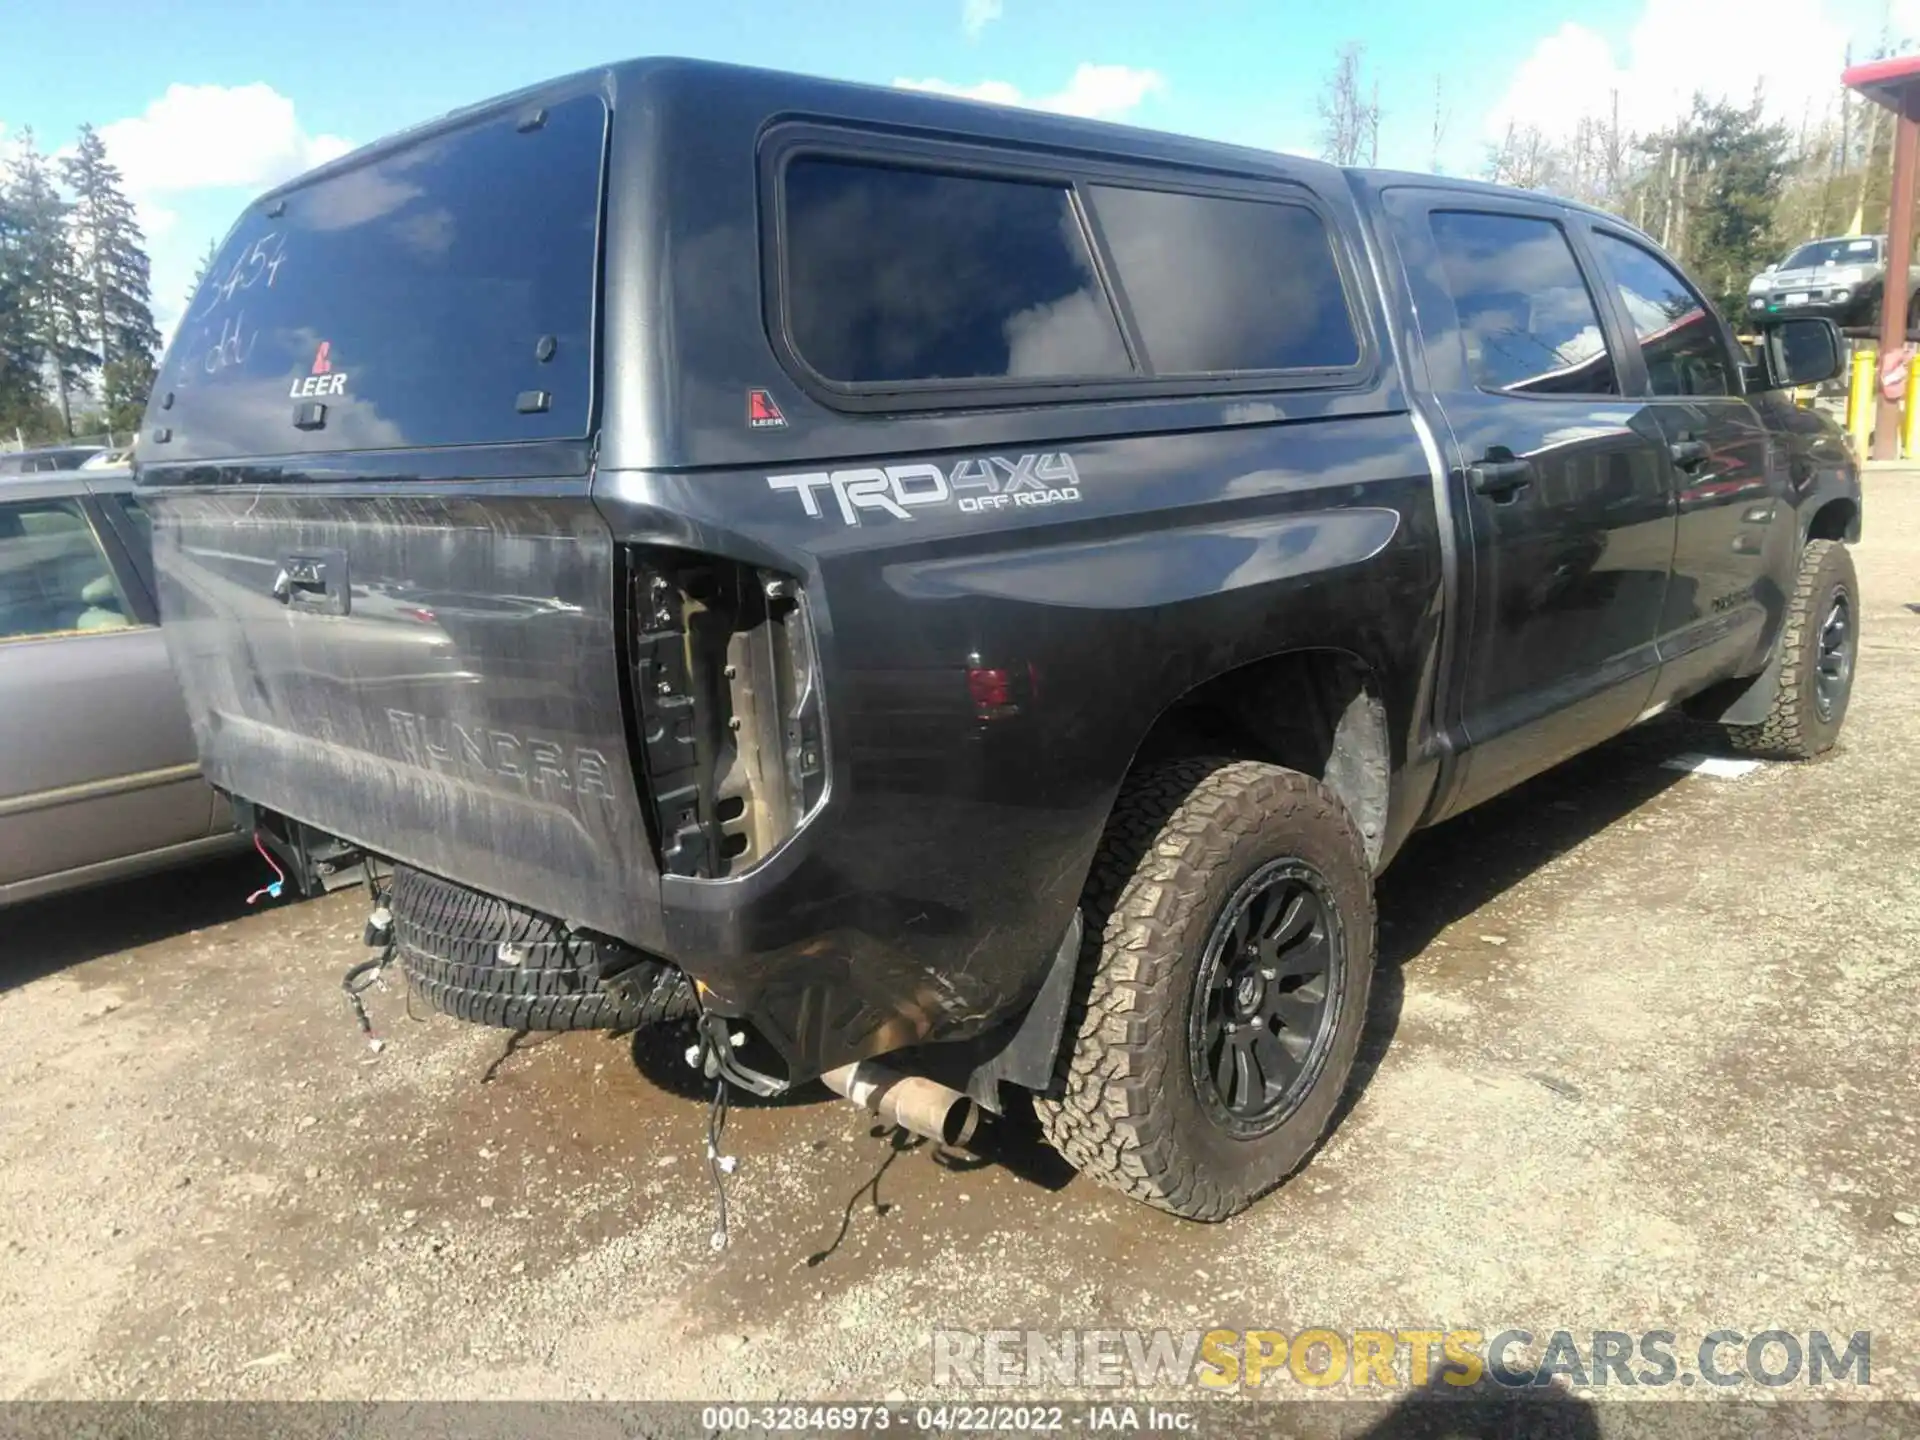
[[1735, 547], [1568, 525]]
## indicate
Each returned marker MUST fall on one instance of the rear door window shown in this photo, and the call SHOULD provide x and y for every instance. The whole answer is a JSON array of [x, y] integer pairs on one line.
[[441, 294], [897, 275], [1220, 284], [1527, 319]]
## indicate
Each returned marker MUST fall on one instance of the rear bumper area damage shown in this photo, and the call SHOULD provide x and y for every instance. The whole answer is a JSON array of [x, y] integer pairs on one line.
[[624, 747]]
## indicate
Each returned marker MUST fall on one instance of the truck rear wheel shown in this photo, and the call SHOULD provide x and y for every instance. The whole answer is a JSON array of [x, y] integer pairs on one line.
[[1223, 987], [1818, 644], [477, 958]]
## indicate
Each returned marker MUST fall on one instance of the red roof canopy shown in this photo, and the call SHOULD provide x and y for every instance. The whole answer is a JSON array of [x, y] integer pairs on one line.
[[1893, 83]]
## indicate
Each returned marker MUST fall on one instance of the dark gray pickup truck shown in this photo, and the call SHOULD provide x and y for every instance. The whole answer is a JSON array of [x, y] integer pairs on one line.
[[871, 574]]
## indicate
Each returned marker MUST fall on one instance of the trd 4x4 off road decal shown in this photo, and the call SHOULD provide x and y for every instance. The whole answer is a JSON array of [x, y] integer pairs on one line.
[[972, 486]]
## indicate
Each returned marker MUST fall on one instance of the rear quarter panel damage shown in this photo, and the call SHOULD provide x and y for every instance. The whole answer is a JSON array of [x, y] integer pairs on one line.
[[927, 898]]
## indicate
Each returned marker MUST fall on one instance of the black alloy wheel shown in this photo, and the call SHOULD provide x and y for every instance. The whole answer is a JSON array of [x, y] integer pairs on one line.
[[1833, 656], [1266, 998]]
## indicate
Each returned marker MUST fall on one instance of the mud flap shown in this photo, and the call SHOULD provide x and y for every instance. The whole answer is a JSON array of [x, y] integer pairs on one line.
[[1026, 1053], [1739, 702]]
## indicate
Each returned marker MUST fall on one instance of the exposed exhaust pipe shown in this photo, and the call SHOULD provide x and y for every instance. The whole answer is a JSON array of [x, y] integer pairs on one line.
[[913, 1102]]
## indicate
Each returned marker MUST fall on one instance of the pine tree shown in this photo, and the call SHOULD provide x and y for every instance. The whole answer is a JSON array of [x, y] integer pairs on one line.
[[23, 399], [116, 292], [1712, 193], [49, 285]]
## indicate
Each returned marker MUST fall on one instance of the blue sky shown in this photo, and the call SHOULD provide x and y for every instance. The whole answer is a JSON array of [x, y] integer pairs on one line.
[[205, 102]]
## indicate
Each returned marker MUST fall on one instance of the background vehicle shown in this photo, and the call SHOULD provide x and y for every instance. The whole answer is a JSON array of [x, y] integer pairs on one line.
[[1842, 277], [116, 459], [958, 582], [97, 772], [46, 459]]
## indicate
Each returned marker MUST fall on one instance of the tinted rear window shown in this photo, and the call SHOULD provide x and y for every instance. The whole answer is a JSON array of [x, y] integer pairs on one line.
[[413, 297], [1220, 284], [899, 275]]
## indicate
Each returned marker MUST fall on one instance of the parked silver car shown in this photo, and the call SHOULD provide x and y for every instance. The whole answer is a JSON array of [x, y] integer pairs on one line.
[[1841, 277], [48, 459], [98, 778]]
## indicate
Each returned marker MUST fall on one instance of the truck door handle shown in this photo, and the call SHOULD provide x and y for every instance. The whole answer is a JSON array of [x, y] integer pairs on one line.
[[299, 576], [1688, 452], [316, 580], [1500, 478]]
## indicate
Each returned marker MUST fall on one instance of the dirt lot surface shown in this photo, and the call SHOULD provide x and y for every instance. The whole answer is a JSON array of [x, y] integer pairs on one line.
[[1643, 1056]]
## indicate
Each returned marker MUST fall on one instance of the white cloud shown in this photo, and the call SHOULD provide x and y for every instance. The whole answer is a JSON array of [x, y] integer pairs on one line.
[[156, 221], [976, 15], [1903, 22], [189, 145], [1095, 92], [1793, 50], [196, 136]]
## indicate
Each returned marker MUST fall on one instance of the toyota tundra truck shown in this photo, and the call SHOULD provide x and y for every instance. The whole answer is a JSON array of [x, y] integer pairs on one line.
[[977, 595]]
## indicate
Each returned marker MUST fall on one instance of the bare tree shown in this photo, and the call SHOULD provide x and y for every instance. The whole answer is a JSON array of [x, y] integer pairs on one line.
[[1591, 165], [1807, 195], [1614, 144], [1441, 117], [1842, 155], [1525, 157], [1861, 209], [1349, 119]]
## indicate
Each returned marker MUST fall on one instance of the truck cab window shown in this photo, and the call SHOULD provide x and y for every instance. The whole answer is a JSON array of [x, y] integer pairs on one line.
[[901, 275], [1527, 319], [1222, 285], [1679, 334]]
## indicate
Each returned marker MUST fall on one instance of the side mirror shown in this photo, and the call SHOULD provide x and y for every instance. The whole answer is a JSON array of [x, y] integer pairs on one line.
[[1799, 352]]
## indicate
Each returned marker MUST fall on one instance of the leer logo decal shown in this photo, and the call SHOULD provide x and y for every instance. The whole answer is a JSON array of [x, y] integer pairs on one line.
[[762, 413], [323, 380], [973, 486]]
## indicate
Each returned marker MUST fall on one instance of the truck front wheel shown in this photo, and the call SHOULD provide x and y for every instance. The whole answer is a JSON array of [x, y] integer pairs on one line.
[[1223, 988], [1818, 643]]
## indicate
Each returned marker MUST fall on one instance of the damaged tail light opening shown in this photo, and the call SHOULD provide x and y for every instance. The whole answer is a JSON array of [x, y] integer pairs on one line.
[[726, 697]]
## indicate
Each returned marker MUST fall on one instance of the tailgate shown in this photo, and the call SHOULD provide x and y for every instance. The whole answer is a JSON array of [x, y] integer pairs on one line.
[[389, 598], [434, 678]]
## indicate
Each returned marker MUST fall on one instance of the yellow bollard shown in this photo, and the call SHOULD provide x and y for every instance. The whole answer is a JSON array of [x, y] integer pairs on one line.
[[1910, 411], [1861, 397]]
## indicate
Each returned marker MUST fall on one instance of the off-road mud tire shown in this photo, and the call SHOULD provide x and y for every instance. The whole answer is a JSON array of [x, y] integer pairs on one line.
[[1125, 1108], [1794, 728]]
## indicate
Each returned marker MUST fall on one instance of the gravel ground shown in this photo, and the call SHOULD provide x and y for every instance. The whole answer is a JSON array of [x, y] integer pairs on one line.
[[1642, 1056]]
